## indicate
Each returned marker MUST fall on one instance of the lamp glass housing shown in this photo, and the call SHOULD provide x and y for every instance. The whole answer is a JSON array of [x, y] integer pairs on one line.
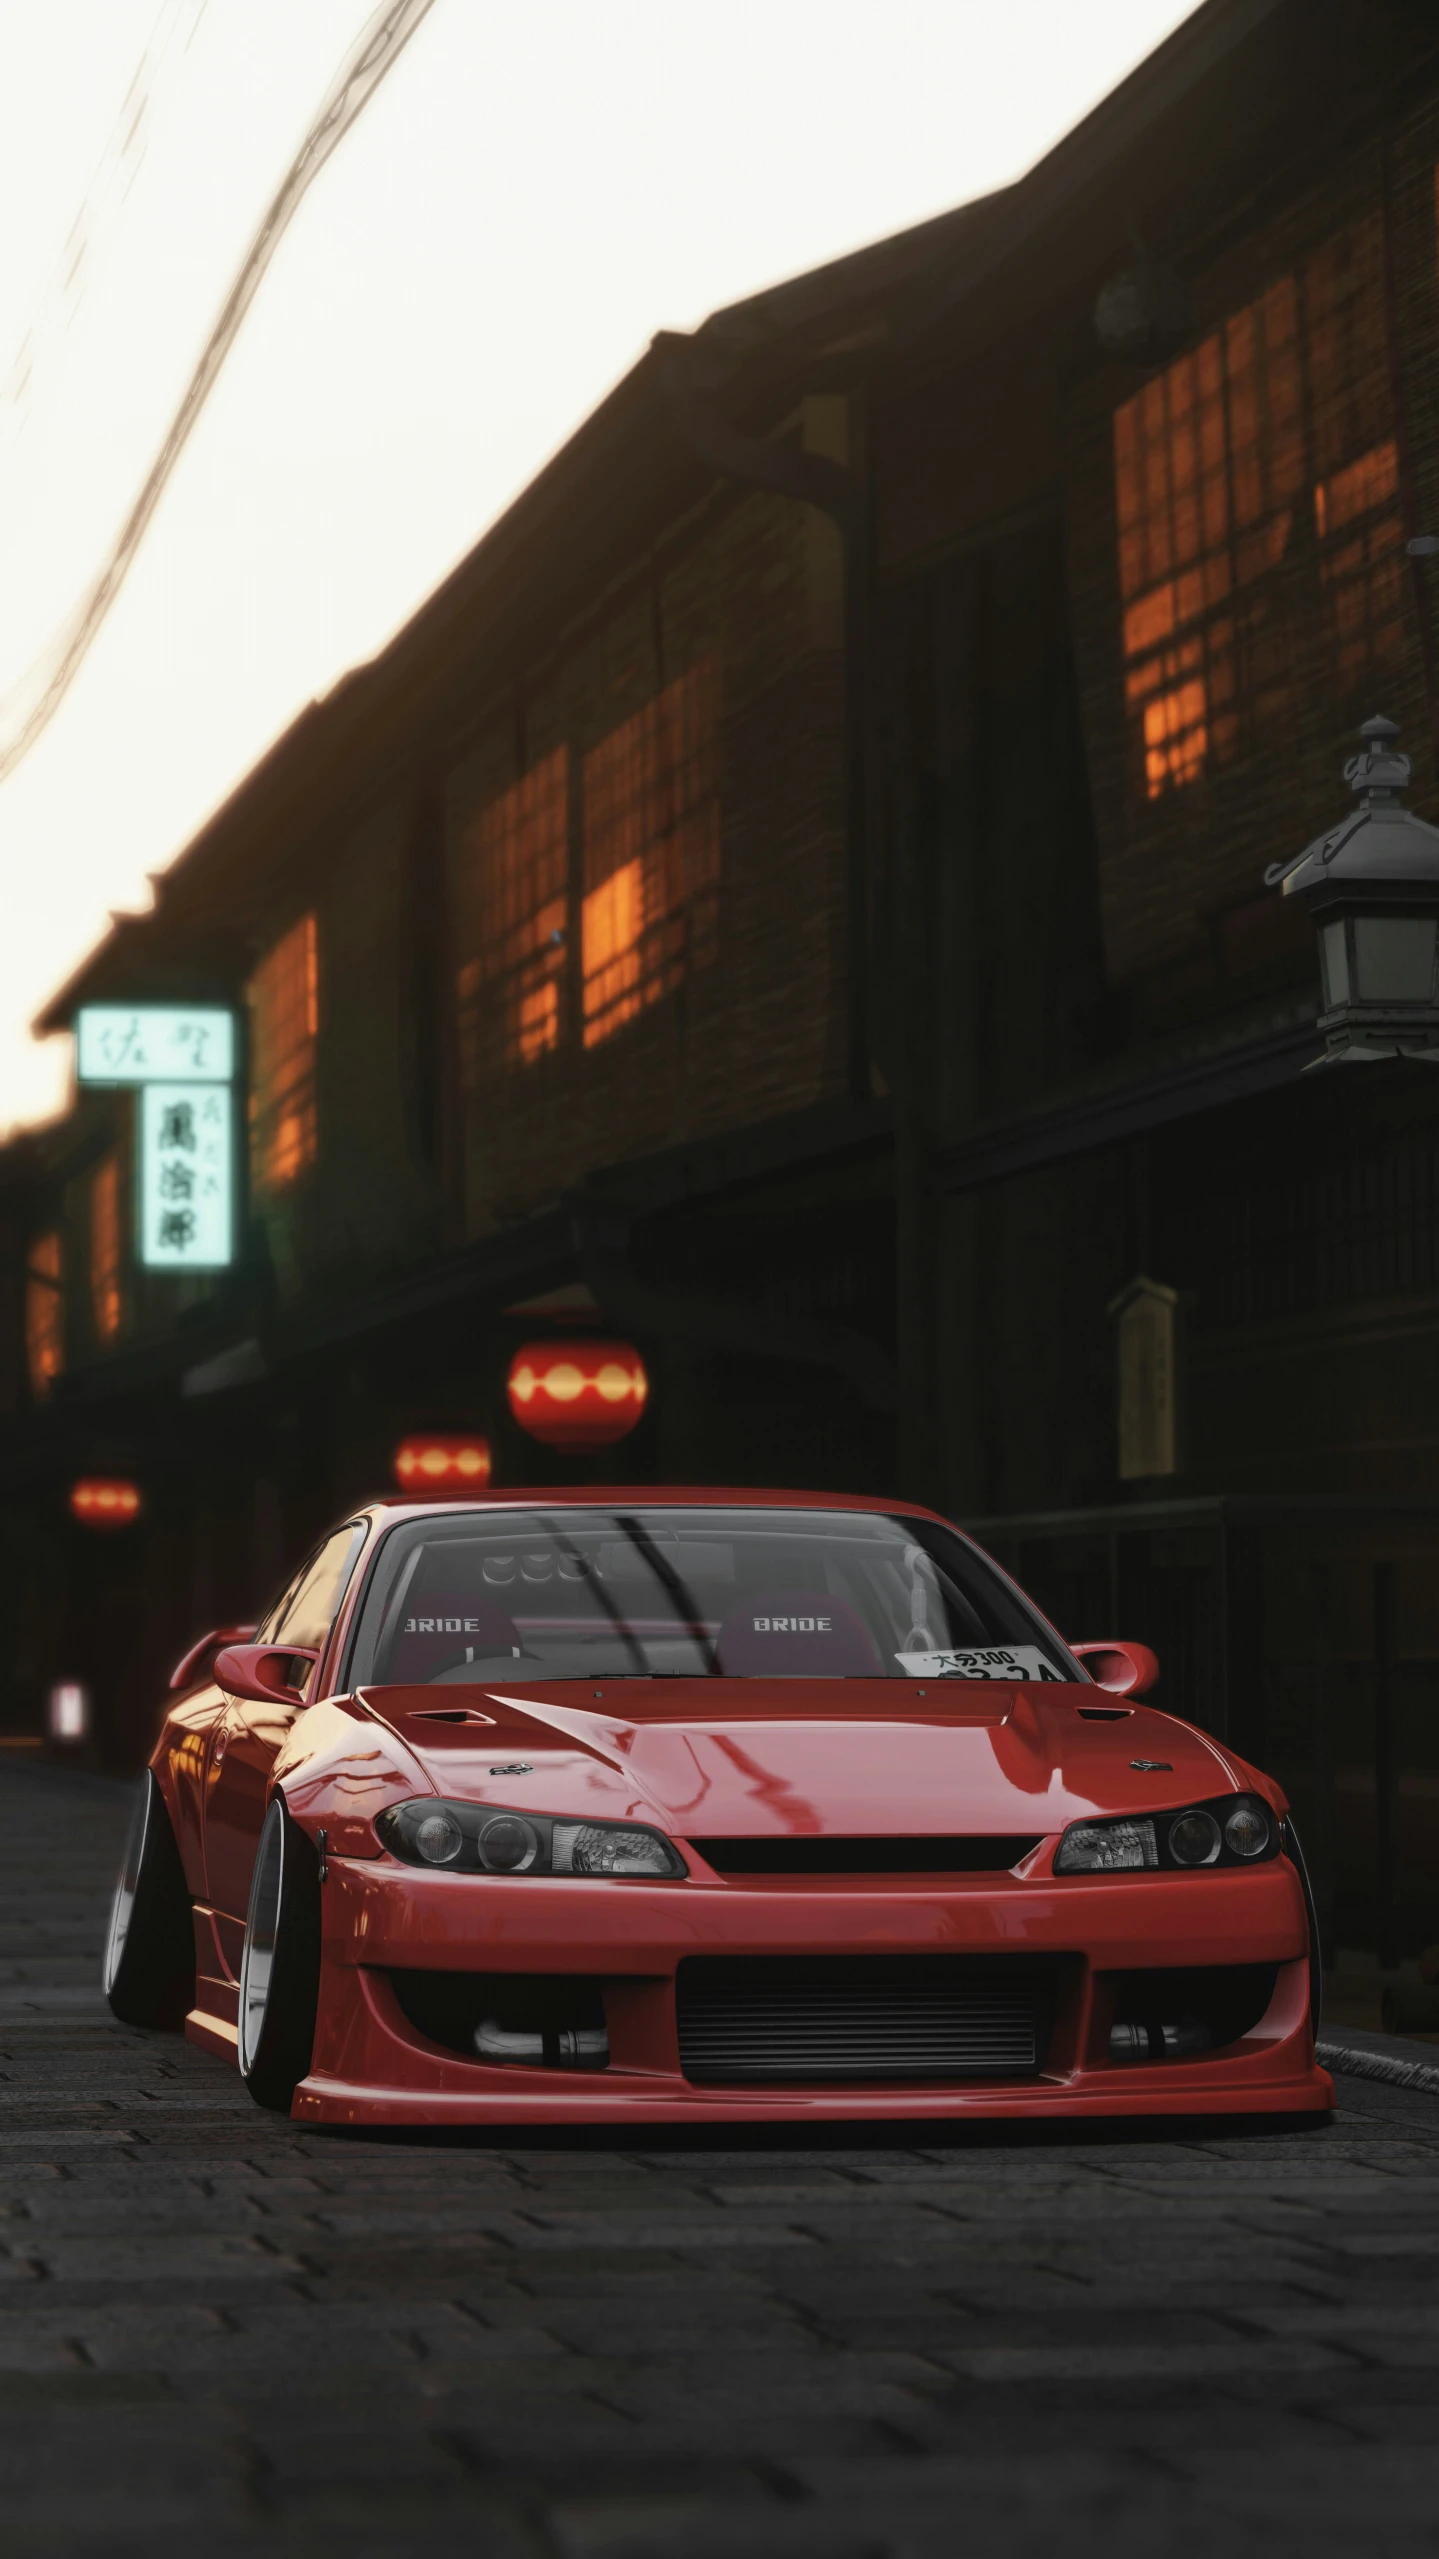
[[1379, 959], [1394, 958]]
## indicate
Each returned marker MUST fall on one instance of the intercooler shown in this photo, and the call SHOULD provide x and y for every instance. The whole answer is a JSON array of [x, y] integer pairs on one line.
[[862, 2017]]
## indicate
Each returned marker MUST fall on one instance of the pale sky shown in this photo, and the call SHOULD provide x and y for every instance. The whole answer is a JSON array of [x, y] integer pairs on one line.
[[535, 190]]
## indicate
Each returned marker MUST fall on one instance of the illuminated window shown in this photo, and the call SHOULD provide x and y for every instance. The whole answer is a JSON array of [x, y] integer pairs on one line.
[[284, 1000], [514, 877], [44, 1313], [652, 853], [1211, 459], [1208, 459], [105, 1249], [1365, 484]]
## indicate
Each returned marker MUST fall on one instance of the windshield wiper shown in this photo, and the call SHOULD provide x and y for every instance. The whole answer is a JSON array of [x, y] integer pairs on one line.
[[677, 1590]]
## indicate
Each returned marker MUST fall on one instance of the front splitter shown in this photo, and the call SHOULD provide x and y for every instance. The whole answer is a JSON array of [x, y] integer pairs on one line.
[[1173, 2090]]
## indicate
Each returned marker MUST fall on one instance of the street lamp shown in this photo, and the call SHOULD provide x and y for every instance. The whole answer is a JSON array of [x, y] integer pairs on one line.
[[1372, 887]]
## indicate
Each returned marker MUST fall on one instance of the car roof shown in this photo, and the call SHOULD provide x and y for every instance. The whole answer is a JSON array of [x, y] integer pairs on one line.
[[646, 1496]]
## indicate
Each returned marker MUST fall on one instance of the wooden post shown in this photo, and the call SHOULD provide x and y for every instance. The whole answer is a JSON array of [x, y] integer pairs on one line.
[[1386, 1764], [1320, 1846]]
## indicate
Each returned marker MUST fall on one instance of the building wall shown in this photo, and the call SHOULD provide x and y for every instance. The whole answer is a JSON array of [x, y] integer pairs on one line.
[[1234, 629], [372, 1198], [756, 1029]]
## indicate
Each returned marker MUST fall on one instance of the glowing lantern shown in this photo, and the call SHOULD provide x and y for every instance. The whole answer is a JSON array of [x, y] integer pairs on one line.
[[68, 1711], [97, 1502], [577, 1394], [443, 1462]]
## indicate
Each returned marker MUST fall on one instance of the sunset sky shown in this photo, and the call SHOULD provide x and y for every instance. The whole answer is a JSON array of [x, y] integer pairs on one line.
[[532, 194]]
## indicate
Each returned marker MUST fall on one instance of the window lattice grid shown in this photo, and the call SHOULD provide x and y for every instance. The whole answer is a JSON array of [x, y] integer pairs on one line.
[[1346, 346], [515, 857], [1207, 458], [106, 1250], [284, 1000], [1211, 459], [45, 1313], [1363, 581], [651, 853]]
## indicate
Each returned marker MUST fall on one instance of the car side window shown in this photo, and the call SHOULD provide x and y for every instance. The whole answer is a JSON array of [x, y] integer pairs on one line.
[[309, 1607]]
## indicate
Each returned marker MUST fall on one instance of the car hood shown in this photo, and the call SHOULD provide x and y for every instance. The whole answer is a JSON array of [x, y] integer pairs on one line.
[[770, 1758]]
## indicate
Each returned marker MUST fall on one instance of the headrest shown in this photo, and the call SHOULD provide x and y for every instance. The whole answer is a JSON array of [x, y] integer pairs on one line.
[[433, 1632], [796, 1633]]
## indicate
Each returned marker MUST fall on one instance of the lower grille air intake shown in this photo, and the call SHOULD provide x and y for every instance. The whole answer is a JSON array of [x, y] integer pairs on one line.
[[926, 1856], [875, 2017]]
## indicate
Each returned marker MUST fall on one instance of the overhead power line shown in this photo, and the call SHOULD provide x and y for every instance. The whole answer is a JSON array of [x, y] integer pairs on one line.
[[102, 207], [376, 51]]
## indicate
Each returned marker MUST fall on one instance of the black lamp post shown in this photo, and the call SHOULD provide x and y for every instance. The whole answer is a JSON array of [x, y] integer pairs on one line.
[[1372, 887]]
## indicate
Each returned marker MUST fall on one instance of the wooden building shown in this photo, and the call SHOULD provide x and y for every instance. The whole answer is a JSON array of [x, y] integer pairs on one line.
[[797, 889]]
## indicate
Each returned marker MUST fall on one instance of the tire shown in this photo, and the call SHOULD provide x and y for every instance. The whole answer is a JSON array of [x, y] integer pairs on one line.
[[149, 1969], [280, 1965]]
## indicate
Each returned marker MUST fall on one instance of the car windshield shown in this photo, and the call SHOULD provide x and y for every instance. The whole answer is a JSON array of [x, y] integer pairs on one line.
[[674, 1592]]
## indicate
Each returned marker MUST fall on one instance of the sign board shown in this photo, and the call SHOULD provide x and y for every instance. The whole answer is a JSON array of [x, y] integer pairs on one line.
[[1148, 1343], [187, 1177], [146, 1043]]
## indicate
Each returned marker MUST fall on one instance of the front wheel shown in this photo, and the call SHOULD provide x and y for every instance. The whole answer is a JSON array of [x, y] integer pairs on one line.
[[280, 1965], [149, 1969]]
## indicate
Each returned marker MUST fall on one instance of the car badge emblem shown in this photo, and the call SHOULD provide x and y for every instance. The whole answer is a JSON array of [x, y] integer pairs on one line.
[[513, 1768], [1134, 1763]]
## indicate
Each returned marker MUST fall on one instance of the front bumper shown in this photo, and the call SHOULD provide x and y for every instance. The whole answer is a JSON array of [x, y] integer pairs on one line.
[[372, 2066]]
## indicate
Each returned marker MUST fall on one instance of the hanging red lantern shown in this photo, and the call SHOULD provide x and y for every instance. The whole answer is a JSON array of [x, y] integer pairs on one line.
[[443, 1462], [101, 1502], [577, 1394]]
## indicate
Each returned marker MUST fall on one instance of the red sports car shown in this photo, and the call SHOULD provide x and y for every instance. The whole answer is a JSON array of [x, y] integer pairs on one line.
[[680, 1806]]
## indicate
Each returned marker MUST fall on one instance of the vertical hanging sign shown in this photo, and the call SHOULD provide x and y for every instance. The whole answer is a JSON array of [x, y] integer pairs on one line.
[[186, 1177], [1146, 1317], [182, 1058]]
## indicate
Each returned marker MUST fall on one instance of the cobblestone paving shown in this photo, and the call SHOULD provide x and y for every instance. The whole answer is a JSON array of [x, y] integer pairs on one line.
[[219, 2334]]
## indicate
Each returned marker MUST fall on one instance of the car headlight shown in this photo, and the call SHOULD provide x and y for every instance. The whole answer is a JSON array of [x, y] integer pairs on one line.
[[1102, 1848], [485, 1839], [1230, 1830]]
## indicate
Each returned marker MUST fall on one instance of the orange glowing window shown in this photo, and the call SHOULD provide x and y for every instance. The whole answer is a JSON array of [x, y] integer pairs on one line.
[[513, 882], [1176, 736], [651, 853], [1212, 445], [1208, 459], [45, 1313], [284, 1000], [1356, 490], [1212, 461], [105, 1250]]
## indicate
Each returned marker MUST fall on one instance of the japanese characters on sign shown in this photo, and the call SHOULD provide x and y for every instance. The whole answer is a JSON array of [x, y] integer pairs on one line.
[[182, 1056], [186, 1177], [145, 1043]]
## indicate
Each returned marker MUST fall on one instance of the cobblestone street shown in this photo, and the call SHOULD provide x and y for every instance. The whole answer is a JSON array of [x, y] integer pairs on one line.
[[220, 2334]]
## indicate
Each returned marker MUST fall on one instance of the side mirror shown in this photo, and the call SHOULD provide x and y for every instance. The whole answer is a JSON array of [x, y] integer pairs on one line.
[[199, 1662], [257, 1671], [1129, 1670]]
